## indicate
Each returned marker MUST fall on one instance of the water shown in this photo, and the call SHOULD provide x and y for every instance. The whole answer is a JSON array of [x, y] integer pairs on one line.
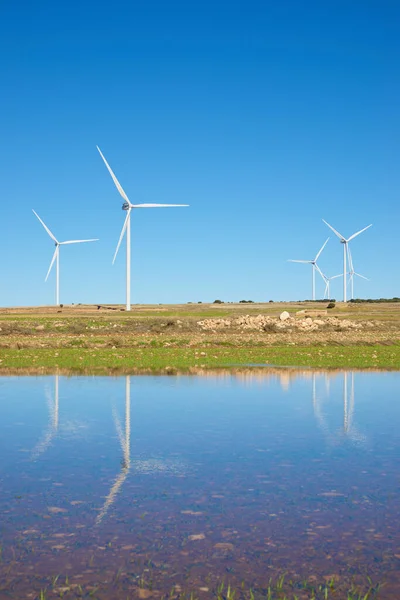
[[145, 486]]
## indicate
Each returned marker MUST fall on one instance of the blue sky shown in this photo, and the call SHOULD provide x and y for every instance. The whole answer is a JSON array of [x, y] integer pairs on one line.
[[264, 116]]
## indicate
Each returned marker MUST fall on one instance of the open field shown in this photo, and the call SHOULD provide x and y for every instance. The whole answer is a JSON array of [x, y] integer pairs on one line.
[[183, 337]]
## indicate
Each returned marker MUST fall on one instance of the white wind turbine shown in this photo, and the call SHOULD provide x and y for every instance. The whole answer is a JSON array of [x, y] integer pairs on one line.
[[56, 256], [315, 267], [128, 206], [345, 242], [352, 272], [327, 293]]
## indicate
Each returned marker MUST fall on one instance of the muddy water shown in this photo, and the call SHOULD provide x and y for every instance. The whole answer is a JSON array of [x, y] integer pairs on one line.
[[160, 486]]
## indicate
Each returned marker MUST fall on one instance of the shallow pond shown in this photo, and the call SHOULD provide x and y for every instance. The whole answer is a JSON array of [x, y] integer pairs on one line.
[[181, 486]]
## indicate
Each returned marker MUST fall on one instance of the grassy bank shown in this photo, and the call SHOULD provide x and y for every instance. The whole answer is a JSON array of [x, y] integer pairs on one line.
[[160, 359], [177, 337]]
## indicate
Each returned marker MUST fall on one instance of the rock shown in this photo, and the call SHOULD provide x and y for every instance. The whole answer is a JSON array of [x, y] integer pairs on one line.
[[142, 593], [224, 546], [284, 316], [39, 328], [197, 536], [223, 550]]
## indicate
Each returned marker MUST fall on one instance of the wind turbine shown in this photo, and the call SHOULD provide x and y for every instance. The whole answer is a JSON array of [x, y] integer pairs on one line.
[[327, 293], [352, 272], [345, 242], [315, 267], [56, 255], [128, 206]]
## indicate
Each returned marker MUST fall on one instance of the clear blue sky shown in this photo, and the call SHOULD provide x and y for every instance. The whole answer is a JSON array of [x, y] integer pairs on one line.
[[264, 116]]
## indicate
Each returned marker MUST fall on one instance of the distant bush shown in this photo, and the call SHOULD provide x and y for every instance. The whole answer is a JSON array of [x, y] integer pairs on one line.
[[246, 301], [331, 305], [218, 302], [199, 302], [374, 300]]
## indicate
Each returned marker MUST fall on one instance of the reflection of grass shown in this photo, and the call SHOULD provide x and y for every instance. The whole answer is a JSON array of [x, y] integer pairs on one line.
[[102, 360]]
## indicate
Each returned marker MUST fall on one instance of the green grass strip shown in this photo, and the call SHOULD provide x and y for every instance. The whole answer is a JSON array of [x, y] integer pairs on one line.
[[158, 359]]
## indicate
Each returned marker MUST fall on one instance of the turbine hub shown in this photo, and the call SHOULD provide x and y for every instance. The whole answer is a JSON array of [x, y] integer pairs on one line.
[[125, 206]]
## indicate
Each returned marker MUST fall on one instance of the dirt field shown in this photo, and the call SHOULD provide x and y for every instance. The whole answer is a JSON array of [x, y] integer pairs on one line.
[[193, 324], [181, 336]]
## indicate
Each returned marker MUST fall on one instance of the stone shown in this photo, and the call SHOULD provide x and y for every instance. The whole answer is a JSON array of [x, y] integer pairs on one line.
[[197, 536], [284, 316]]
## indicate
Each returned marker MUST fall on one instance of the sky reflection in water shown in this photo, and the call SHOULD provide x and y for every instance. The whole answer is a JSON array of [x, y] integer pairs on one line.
[[190, 479]]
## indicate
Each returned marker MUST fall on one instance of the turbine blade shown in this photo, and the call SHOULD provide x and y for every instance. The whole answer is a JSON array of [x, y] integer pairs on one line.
[[115, 180], [156, 205], [301, 261], [128, 214], [78, 241], [319, 271], [319, 253], [334, 230], [362, 276], [358, 232], [335, 276], [350, 258], [52, 262], [45, 226]]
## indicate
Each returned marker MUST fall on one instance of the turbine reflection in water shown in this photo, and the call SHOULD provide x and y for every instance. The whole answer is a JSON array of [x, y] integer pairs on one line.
[[348, 429], [125, 442], [52, 428]]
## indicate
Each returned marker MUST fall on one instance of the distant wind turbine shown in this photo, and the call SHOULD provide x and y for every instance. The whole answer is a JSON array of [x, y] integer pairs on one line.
[[352, 272], [315, 267], [327, 293], [345, 242], [128, 206], [56, 255]]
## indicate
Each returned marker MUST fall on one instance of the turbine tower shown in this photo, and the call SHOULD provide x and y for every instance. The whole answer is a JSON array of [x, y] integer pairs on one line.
[[56, 256], [315, 267], [128, 206], [352, 272], [345, 242]]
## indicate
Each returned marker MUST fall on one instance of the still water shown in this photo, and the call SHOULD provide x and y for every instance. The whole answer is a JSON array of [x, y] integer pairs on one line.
[[146, 487]]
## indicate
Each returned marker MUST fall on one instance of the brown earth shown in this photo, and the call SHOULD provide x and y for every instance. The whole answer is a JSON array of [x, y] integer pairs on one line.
[[200, 325]]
